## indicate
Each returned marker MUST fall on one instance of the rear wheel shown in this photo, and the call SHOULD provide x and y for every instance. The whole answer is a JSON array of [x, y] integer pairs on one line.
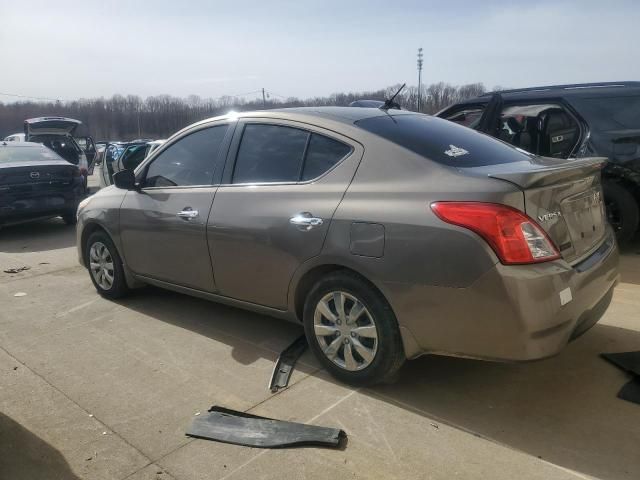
[[105, 266], [622, 210], [352, 330]]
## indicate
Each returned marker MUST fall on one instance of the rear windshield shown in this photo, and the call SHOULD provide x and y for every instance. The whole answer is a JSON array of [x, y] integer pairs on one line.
[[442, 141], [610, 113], [26, 154]]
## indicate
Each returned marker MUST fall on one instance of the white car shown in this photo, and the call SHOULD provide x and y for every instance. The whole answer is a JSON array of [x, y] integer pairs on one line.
[[57, 133], [16, 137]]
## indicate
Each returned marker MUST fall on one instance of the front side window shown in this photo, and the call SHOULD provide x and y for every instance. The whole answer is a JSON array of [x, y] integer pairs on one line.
[[191, 160], [273, 153], [133, 156]]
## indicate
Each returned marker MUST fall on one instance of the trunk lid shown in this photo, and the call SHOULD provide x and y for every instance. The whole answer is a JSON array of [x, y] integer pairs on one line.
[[36, 176], [563, 196], [50, 126]]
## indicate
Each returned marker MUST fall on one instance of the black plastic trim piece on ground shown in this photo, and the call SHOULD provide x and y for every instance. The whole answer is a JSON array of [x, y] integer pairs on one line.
[[631, 391], [630, 363], [627, 361], [286, 361], [239, 428]]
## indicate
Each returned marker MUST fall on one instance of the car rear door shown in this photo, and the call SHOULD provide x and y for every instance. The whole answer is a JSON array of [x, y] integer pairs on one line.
[[163, 225], [274, 209]]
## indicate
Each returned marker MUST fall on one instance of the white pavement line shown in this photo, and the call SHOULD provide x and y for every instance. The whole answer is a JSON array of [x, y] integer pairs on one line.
[[471, 432], [76, 308], [308, 421]]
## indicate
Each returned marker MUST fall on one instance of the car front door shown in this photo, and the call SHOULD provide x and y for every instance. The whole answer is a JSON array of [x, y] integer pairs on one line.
[[163, 224], [274, 209]]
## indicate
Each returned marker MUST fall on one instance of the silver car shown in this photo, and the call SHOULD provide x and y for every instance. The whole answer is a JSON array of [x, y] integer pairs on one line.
[[387, 234]]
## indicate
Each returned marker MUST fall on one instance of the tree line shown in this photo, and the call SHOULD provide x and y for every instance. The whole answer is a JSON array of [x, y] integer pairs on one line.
[[127, 117]]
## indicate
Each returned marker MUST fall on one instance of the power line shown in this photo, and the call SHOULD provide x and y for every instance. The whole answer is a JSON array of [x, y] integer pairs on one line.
[[273, 94]]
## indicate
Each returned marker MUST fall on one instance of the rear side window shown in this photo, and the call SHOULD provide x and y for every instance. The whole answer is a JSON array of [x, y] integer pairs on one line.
[[191, 160], [273, 153], [610, 113], [442, 141], [270, 153], [322, 154]]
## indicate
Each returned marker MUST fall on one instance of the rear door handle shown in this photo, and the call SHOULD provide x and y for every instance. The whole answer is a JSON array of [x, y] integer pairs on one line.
[[305, 220], [187, 213]]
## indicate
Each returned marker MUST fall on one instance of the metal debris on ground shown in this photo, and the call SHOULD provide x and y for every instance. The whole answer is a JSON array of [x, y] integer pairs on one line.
[[239, 428], [20, 294], [286, 362], [17, 269]]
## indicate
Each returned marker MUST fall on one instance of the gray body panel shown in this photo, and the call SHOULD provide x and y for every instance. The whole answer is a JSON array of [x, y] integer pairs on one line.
[[157, 243], [446, 286]]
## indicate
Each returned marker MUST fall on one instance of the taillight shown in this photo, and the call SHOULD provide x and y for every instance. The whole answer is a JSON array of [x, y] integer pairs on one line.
[[515, 237]]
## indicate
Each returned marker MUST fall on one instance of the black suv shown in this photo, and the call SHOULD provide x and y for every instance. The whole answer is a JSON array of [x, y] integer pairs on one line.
[[566, 121]]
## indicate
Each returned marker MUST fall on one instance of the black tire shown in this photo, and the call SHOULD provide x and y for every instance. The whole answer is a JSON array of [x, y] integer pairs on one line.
[[622, 210], [119, 286], [69, 218], [389, 355]]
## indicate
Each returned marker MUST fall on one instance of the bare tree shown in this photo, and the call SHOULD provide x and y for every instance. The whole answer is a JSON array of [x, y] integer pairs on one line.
[[127, 117]]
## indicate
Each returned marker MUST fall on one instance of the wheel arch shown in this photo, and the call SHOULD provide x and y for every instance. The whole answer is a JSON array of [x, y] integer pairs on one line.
[[306, 279], [89, 229]]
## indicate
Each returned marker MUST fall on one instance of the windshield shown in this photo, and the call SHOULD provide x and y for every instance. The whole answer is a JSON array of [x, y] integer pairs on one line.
[[442, 141], [27, 154]]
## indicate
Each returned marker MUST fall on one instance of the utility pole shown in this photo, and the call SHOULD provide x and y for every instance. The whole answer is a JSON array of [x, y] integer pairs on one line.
[[264, 101], [419, 77]]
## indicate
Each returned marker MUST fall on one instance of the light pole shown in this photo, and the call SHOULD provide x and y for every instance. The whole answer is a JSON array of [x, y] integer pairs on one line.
[[419, 76]]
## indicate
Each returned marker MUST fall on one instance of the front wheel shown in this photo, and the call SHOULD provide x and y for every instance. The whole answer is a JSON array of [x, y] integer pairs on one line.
[[352, 330], [70, 218], [105, 266]]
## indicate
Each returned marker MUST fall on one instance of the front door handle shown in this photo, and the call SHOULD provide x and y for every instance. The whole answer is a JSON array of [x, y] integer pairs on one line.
[[305, 220], [187, 213]]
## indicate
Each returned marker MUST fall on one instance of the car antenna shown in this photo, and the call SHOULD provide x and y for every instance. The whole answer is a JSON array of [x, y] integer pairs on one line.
[[389, 102]]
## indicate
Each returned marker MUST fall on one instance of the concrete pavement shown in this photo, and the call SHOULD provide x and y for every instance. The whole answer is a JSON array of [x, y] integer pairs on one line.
[[101, 390]]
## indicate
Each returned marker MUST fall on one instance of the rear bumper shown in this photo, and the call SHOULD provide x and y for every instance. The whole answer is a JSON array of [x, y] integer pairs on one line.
[[512, 313], [17, 209]]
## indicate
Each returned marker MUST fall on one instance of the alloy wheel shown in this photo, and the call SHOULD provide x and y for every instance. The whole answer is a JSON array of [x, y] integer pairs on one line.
[[345, 331], [101, 265]]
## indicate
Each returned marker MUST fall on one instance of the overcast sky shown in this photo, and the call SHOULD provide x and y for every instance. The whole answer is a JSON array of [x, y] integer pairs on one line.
[[305, 48]]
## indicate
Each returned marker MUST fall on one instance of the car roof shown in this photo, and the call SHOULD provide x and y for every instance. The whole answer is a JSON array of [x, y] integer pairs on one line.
[[346, 115], [577, 90]]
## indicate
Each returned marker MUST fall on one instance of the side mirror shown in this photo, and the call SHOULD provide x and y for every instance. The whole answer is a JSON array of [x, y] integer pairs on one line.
[[125, 179]]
